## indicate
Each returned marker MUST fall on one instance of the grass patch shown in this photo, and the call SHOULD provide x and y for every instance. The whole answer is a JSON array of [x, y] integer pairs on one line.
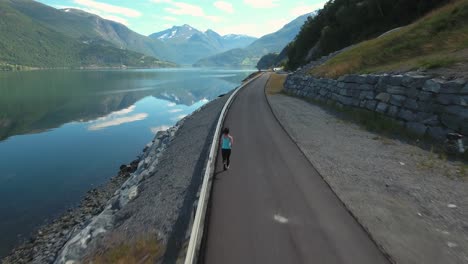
[[275, 84], [144, 251], [431, 42]]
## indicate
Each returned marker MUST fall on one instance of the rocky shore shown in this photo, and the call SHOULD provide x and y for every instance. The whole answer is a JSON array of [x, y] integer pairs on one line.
[[43, 246]]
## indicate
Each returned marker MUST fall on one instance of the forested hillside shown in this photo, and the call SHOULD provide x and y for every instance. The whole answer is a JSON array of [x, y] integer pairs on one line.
[[342, 23], [29, 42]]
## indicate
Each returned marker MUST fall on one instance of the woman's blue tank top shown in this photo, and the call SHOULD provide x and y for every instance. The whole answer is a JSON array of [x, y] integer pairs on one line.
[[226, 142]]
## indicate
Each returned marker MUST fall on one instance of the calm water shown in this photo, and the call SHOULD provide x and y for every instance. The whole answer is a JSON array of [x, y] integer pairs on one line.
[[65, 132]]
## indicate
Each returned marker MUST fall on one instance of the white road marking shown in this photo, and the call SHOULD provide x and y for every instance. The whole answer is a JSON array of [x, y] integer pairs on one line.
[[280, 219]]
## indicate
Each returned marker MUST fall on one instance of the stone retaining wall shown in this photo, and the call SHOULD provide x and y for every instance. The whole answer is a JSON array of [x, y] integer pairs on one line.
[[425, 106]]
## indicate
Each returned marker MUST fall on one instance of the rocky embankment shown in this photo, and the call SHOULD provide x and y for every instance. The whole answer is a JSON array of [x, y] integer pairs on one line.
[[424, 105], [148, 205], [44, 245]]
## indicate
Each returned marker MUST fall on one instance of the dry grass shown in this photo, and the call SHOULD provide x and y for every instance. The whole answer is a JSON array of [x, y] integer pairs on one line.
[[431, 42], [144, 251], [275, 84]]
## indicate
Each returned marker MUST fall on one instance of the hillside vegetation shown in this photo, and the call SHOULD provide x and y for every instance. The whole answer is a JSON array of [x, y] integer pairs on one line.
[[438, 39], [26, 42], [342, 23]]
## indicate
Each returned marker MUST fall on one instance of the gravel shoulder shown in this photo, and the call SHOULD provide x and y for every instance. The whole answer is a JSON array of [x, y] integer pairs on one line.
[[405, 197]]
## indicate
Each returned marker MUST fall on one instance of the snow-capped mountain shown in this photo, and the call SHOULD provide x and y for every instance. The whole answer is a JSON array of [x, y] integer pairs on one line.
[[192, 44]]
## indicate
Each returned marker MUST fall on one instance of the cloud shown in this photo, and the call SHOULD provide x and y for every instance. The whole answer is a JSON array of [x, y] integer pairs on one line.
[[107, 8], [96, 12], [155, 130], [117, 121], [176, 110], [224, 6], [262, 3], [302, 8], [181, 9], [125, 111], [171, 104], [169, 18]]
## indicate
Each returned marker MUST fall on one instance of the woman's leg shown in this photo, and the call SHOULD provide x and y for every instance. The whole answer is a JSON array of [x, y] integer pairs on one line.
[[224, 155], [228, 155]]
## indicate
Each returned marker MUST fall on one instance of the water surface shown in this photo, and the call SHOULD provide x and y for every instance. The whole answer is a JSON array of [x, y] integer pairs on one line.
[[65, 132]]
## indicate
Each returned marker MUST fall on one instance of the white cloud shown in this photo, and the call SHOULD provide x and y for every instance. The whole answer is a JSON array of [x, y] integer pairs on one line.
[[176, 110], [107, 8], [171, 104], [169, 18], [117, 121], [224, 6], [181, 9], [125, 111], [155, 130], [262, 3], [96, 12], [302, 8]]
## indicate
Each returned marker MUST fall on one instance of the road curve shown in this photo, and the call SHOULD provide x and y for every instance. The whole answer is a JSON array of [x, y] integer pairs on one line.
[[272, 206]]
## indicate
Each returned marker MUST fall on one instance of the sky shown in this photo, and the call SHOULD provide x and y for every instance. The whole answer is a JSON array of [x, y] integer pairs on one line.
[[250, 17]]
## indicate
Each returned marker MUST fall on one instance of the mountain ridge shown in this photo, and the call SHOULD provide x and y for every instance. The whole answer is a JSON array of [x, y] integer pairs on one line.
[[192, 44], [250, 55]]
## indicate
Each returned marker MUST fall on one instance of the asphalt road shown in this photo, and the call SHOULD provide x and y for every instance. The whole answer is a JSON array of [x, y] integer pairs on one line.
[[272, 206]]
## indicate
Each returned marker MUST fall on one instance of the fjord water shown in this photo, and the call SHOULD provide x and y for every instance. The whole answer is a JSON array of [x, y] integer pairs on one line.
[[65, 132]]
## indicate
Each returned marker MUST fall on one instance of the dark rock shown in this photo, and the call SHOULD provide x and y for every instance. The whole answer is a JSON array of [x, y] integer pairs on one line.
[[452, 87], [381, 107], [384, 97], [371, 105], [396, 90], [411, 104], [433, 85], [417, 128], [425, 96], [407, 115], [397, 100], [416, 82], [457, 110], [438, 133], [451, 121]]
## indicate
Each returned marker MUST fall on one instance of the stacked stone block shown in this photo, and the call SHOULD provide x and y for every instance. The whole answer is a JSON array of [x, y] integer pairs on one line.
[[425, 106]]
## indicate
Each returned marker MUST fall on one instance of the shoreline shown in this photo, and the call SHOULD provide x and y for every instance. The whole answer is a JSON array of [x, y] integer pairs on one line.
[[49, 238]]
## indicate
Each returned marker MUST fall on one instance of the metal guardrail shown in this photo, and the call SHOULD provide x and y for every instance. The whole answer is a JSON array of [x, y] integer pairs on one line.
[[196, 234]]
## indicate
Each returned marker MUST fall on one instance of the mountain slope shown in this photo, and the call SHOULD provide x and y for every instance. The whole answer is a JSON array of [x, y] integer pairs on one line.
[[85, 27], [250, 55], [428, 43], [28, 42], [191, 44]]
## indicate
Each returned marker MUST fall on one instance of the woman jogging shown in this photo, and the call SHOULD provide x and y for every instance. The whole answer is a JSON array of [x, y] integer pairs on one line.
[[226, 145]]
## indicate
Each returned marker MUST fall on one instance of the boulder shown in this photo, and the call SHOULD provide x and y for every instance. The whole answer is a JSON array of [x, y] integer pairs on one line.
[[381, 107], [399, 90], [451, 121], [452, 87], [407, 115], [438, 133], [411, 104], [384, 97], [433, 85], [417, 128], [397, 100]]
